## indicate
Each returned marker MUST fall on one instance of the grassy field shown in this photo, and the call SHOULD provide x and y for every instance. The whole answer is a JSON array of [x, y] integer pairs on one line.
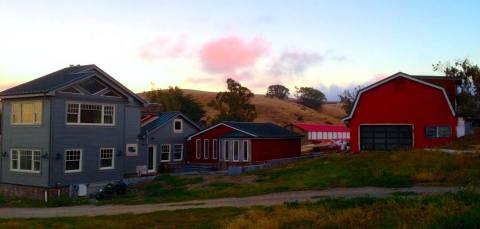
[[460, 210], [392, 169]]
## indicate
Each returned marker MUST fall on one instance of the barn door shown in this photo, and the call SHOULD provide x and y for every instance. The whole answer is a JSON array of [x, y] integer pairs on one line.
[[386, 137]]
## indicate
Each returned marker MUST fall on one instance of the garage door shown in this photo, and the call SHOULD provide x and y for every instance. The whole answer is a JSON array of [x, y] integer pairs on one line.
[[385, 137]]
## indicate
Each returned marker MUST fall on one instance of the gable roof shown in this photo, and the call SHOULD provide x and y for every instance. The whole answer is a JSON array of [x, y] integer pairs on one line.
[[394, 76], [310, 127], [61, 79], [254, 130], [152, 124]]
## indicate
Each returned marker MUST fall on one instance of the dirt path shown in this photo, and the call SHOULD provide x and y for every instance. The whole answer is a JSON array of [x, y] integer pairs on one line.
[[267, 200]]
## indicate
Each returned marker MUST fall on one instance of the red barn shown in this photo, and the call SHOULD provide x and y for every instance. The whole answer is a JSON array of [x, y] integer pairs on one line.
[[230, 143], [403, 111]]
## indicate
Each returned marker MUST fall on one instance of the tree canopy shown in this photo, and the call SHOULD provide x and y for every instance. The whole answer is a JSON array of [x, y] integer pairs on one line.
[[468, 98], [310, 97], [347, 98], [174, 99], [234, 104], [277, 91]]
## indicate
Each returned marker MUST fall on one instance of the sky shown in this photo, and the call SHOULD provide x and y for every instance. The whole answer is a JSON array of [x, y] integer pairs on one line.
[[328, 45]]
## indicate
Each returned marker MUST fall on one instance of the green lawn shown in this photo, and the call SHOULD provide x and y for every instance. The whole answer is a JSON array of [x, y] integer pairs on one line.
[[382, 169], [460, 210]]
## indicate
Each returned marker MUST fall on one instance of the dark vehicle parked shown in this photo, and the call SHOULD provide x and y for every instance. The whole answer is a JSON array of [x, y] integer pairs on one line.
[[110, 190]]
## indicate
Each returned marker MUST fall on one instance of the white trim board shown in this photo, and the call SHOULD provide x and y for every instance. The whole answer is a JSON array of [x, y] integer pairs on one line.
[[215, 126], [390, 78]]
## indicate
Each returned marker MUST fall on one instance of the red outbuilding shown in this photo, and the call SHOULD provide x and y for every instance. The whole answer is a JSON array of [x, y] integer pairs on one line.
[[242, 143], [320, 133], [403, 111]]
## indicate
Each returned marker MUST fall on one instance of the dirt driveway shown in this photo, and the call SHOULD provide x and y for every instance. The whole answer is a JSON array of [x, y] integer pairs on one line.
[[266, 200]]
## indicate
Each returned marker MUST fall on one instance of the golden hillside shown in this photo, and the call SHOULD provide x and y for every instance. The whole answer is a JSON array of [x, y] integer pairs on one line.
[[279, 111]]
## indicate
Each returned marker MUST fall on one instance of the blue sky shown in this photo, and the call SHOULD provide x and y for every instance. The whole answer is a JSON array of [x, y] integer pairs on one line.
[[328, 45]]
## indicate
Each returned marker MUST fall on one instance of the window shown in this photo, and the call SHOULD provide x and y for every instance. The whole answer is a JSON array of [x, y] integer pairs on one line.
[[197, 148], [165, 152], [226, 151], [27, 113], [94, 114], [132, 150], [25, 160], [177, 125], [438, 131], [73, 160], [106, 158], [245, 150], [205, 149], [92, 86], [214, 148], [177, 152], [236, 150]]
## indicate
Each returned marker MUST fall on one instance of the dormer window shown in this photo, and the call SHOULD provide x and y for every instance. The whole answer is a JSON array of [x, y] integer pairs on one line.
[[178, 125], [92, 86]]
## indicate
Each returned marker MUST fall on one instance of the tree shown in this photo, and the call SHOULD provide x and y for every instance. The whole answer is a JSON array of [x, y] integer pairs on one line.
[[174, 99], [310, 97], [347, 98], [277, 91], [234, 104], [468, 97]]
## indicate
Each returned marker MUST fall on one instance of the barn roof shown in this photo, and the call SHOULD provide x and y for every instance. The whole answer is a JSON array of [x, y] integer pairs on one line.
[[151, 123], [310, 127], [253, 130], [394, 76]]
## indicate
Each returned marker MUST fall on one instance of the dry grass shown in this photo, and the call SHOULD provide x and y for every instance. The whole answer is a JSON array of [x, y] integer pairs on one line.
[[281, 112]]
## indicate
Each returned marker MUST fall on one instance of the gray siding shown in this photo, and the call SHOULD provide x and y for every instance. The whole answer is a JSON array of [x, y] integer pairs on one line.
[[132, 124], [166, 135], [28, 137], [90, 139]]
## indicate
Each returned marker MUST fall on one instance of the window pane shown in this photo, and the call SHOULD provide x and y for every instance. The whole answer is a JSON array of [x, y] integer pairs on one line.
[[178, 125], [108, 114], [14, 159], [178, 150], [444, 132], [72, 160], [91, 113], [235, 150], [431, 132], [245, 150], [206, 147], [16, 112], [165, 153], [197, 148], [106, 158], [25, 160], [38, 112], [36, 160], [92, 86], [27, 113]]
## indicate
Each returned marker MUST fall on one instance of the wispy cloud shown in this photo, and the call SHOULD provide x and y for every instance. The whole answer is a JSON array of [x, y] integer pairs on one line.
[[164, 47], [295, 63]]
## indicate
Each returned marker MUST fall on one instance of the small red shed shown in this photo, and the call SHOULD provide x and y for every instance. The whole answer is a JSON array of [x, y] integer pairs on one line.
[[230, 143], [403, 111]]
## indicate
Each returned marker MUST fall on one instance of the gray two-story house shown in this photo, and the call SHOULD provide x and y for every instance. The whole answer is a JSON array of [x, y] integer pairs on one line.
[[71, 128]]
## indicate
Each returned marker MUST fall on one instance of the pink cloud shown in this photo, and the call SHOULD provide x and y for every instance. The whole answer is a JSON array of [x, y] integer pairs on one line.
[[227, 54], [164, 48]]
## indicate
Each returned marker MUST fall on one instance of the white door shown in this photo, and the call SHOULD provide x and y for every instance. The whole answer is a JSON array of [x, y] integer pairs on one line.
[[152, 158]]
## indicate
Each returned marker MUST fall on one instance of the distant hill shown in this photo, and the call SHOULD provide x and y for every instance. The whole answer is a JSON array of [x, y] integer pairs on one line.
[[278, 111]]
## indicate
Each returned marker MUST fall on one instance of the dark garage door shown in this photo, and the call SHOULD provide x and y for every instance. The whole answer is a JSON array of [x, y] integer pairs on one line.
[[385, 137]]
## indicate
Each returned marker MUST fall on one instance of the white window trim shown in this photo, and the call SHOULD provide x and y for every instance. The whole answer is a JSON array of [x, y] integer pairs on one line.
[[225, 146], [18, 163], [100, 158], [248, 150], [181, 153], [34, 123], [128, 154], [206, 148], [215, 149], [181, 125], [198, 146], [169, 152], [233, 150], [65, 161], [78, 123]]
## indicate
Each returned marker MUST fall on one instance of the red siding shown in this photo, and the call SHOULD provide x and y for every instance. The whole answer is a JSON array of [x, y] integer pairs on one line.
[[403, 101], [211, 134], [268, 149]]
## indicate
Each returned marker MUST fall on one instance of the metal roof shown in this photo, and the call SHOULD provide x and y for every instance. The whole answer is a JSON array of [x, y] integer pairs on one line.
[[149, 125]]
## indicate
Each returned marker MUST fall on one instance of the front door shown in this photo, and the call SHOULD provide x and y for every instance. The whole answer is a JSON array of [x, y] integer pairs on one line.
[[152, 158]]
